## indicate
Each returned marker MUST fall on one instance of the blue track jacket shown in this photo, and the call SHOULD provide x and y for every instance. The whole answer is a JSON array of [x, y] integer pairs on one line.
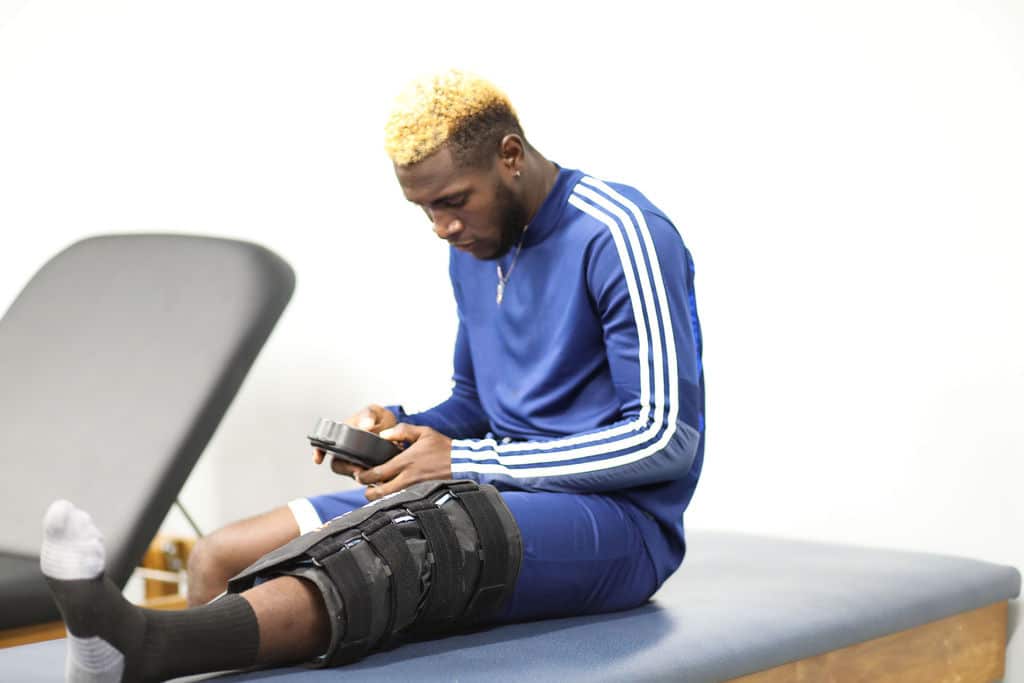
[[587, 378]]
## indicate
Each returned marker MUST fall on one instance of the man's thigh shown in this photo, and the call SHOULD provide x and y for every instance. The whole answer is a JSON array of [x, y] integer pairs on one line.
[[582, 554]]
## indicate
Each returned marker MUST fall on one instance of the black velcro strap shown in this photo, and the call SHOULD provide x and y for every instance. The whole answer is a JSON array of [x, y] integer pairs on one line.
[[491, 588], [442, 600], [405, 578], [375, 523], [355, 597]]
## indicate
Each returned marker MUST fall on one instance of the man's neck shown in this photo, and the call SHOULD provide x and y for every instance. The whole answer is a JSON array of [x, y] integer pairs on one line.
[[542, 175]]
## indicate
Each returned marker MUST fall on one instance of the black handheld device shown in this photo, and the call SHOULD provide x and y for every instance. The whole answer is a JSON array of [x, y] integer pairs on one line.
[[357, 446]]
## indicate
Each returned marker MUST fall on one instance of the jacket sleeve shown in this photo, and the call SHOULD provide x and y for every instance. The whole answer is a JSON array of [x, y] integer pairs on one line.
[[460, 415], [640, 279]]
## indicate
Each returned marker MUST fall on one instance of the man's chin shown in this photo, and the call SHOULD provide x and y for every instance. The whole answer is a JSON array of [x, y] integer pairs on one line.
[[476, 249], [488, 252]]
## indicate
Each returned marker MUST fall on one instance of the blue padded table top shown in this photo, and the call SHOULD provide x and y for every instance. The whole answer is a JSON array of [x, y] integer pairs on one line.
[[739, 604]]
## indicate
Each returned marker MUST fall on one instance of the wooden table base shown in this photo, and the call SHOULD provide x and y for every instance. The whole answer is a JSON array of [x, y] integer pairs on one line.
[[969, 647]]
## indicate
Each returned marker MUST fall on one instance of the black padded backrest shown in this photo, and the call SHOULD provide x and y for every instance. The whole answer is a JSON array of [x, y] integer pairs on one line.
[[117, 361]]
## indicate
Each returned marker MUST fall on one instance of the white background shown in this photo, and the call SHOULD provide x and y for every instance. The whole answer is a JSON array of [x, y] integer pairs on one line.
[[848, 177]]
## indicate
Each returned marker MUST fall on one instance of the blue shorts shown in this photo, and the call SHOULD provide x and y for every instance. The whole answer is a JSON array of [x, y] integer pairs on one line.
[[582, 554]]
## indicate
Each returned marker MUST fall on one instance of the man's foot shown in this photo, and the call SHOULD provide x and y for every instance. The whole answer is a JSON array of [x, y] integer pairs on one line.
[[112, 640], [72, 558]]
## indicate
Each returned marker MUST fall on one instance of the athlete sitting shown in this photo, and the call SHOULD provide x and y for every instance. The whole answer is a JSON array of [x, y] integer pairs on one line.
[[574, 434]]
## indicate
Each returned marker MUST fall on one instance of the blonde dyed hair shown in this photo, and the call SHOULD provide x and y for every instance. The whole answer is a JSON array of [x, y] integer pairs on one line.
[[450, 107]]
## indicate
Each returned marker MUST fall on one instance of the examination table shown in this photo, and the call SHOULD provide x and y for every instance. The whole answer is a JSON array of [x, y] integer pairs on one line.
[[739, 605]]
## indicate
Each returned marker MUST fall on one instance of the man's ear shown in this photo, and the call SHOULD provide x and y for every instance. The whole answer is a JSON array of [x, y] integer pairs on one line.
[[512, 151]]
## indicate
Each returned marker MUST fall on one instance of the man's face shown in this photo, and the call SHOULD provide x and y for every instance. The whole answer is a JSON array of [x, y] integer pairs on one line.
[[471, 208]]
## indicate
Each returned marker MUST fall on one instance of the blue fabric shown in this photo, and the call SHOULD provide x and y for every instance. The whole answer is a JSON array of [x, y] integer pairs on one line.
[[588, 374], [332, 505], [582, 554]]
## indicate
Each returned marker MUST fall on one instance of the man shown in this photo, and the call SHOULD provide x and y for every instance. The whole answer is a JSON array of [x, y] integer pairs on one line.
[[574, 429]]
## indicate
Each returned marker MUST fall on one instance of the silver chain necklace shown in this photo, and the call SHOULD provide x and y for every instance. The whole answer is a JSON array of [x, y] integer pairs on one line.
[[502, 276]]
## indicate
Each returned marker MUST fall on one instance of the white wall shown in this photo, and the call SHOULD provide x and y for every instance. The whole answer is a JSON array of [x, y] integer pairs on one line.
[[847, 175]]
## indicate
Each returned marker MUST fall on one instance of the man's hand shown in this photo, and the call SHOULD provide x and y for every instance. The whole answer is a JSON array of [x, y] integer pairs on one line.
[[372, 418], [428, 457]]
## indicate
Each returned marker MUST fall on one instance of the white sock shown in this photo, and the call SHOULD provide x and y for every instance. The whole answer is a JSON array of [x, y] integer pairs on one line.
[[72, 550], [72, 545]]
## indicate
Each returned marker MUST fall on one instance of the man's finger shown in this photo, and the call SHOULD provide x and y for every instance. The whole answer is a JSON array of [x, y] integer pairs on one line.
[[346, 468], [381, 490], [383, 418], [361, 419], [318, 456], [403, 432], [387, 471]]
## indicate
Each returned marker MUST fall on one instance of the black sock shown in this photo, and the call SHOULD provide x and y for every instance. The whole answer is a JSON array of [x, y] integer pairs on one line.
[[160, 644]]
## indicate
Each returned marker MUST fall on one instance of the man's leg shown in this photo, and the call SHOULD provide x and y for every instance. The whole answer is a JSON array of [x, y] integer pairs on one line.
[[582, 554], [220, 555], [292, 621], [279, 621], [435, 557], [225, 552]]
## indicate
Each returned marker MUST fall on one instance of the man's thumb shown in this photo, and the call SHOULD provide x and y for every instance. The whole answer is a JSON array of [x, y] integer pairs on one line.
[[400, 432]]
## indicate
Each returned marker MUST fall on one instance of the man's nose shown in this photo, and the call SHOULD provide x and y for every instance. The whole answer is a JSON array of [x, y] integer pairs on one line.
[[445, 226]]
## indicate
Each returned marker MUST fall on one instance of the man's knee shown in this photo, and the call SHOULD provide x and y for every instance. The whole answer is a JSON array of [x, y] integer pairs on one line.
[[435, 557], [207, 574], [220, 555]]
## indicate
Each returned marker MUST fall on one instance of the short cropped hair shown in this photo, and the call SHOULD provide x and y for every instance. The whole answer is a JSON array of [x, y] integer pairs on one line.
[[464, 111]]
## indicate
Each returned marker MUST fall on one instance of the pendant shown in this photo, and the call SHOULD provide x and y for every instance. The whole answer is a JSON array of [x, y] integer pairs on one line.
[[501, 292]]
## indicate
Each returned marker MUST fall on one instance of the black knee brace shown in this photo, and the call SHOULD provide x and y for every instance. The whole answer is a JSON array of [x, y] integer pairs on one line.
[[437, 556]]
